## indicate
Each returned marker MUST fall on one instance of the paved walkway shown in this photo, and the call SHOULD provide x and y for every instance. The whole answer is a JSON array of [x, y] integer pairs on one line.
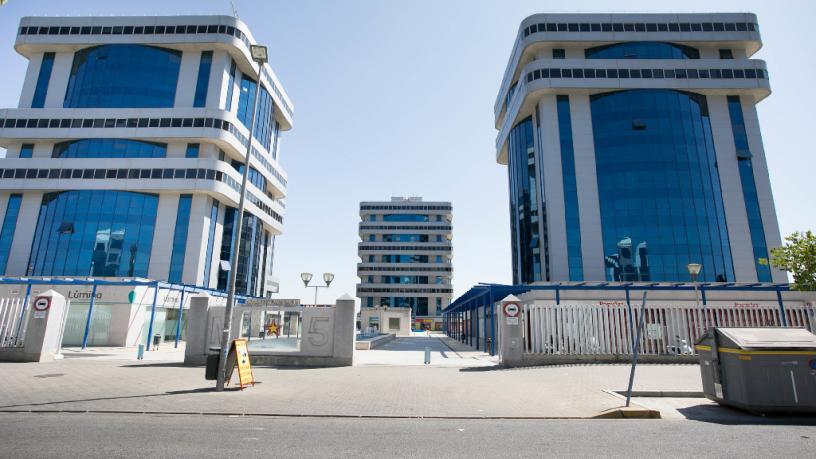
[[410, 351]]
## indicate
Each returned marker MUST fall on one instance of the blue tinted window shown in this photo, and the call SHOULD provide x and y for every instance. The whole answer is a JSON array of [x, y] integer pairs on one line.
[[405, 258], [254, 177], [405, 218], [418, 305], [263, 119], [123, 76], [109, 148], [749, 191], [642, 50], [658, 186], [41, 90], [180, 239], [7, 231], [94, 232], [249, 259], [405, 238], [26, 150], [559, 53], [210, 242], [230, 86], [203, 80], [524, 204], [192, 150], [404, 280], [574, 259]]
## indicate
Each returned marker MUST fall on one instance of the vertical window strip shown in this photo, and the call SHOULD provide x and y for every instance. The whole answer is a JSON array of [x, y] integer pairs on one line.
[[41, 89], [210, 243], [7, 231], [749, 191], [230, 86], [27, 150], [180, 239], [203, 79], [573, 226]]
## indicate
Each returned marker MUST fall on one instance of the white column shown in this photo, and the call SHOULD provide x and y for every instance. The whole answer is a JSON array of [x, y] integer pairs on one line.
[[161, 249], [739, 236], [24, 234], [586, 177], [553, 180], [177, 149], [219, 77], [60, 74], [767, 208], [188, 75], [197, 235]]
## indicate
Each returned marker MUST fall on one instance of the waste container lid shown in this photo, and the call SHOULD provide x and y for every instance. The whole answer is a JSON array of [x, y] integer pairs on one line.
[[770, 338]]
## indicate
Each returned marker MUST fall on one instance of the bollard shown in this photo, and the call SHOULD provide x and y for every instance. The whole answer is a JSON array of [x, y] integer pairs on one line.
[[140, 352], [427, 356]]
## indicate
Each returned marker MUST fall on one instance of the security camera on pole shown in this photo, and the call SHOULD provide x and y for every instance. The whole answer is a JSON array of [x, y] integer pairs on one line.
[[259, 55]]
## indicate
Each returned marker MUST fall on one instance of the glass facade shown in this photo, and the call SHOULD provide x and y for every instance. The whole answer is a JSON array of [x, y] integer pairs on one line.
[[406, 259], [109, 148], [93, 232], [404, 280], [210, 243], [7, 231], [572, 219], [749, 191], [254, 177], [263, 120], [41, 89], [203, 80], [192, 150], [405, 218], [249, 254], [419, 305], [180, 239], [123, 76], [659, 190], [230, 86], [524, 229], [404, 238], [642, 50]]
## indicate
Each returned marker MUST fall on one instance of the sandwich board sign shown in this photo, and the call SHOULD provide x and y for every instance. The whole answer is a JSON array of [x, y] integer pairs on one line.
[[239, 356]]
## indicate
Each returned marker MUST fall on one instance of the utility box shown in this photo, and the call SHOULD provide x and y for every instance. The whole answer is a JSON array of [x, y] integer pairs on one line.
[[761, 370]]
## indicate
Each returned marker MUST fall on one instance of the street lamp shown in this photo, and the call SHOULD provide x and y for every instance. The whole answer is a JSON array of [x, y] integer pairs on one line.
[[259, 55], [694, 271], [307, 277]]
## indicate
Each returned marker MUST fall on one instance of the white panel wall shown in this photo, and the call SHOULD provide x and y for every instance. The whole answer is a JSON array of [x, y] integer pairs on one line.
[[188, 74], [58, 85], [197, 235], [736, 217], [587, 181], [161, 250], [24, 234], [30, 82], [550, 165], [219, 74]]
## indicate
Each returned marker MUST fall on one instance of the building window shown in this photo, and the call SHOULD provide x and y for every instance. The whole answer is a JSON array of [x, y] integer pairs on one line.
[[263, 119], [230, 86], [571, 213], [27, 150], [248, 259], [123, 76], [203, 81], [371, 238], [749, 190], [726, 54], [371, 258], [372, 218], [559, 53], [102, 233], [109, 148], [642, 50], [658, 187], [180, 239], [393, 323], [7, 231], [438, 238], [192, 150], [210, 242], [438, 306], [404, 218], [370, 301], [439, 258], [524, 204], [41, 89]]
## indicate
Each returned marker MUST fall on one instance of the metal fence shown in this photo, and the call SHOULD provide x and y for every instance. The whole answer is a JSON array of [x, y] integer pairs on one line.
[[13, 319], [669, 329]]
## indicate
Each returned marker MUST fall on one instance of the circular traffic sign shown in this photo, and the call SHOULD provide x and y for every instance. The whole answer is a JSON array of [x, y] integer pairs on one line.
[[512, 309], [42, 304]]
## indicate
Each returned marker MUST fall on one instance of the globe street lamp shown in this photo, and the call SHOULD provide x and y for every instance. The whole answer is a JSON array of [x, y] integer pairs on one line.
[[307, 277], [694, 271], [259, 55]]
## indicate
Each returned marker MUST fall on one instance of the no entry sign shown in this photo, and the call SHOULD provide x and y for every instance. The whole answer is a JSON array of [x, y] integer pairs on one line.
[[511, 309]]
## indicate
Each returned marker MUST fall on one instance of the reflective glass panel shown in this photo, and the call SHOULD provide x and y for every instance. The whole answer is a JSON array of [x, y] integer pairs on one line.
[[7, 231], [263, 119], [574, 258], [203, 80], [524, 229], [642, 50], [405, 218], [41, 89], [109, 148], [180, 239], [210, 243]]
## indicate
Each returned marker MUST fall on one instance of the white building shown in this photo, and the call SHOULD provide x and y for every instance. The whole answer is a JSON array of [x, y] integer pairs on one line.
[[634, 149], [406, 257], [126, 151]]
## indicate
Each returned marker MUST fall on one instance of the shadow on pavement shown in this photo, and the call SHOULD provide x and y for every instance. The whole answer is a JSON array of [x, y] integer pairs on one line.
[[718, 414], [123, 397]]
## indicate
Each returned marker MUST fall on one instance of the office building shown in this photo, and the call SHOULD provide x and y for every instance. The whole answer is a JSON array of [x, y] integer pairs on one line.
[[405, 258], [633, 149]]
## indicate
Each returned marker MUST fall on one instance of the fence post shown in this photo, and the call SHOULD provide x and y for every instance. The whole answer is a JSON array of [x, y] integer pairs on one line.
[[781, 307], [178, 320], [635, 349], [22, 314], [89, 318], [152, 316]]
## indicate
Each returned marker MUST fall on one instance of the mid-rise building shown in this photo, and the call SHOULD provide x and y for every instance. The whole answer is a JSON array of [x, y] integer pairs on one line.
[[126, 151], [406, 257], [633, 149]]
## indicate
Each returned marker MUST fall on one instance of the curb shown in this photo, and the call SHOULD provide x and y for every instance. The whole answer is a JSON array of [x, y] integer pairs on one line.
[[630, 412]]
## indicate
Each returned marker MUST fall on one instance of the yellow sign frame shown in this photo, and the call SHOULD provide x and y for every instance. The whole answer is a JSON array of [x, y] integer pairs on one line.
[[239, 356]]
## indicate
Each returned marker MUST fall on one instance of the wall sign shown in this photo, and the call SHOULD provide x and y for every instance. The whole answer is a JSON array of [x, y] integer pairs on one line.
[[41, 306]]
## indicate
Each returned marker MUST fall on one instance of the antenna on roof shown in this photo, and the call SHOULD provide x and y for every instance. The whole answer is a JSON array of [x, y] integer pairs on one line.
[[234, 9]]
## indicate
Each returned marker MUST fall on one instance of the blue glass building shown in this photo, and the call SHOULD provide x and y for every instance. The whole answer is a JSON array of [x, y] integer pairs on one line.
[[633, 149], [126, 152]]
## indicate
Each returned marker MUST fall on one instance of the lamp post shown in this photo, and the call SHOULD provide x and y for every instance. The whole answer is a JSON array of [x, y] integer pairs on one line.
[[259, 55], [694, 271], [307, 277]]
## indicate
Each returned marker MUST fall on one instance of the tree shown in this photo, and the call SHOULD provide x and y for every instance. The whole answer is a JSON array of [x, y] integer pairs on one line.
[[798, 256]]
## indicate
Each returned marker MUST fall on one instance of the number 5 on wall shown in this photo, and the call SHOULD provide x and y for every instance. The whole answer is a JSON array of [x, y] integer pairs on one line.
[[318, 337]]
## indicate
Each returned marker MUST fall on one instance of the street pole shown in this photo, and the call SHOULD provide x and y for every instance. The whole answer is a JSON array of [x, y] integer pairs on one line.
[[236, 244]]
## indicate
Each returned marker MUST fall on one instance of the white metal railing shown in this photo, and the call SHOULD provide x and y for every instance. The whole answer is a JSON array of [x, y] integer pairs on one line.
[[668, 329], [13, 319]]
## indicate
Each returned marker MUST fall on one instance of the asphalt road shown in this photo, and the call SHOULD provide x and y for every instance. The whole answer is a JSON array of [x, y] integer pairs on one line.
[[114, 435]]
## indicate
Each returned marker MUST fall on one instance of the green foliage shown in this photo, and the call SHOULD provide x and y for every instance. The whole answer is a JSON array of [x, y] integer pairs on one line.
[[798, 256]]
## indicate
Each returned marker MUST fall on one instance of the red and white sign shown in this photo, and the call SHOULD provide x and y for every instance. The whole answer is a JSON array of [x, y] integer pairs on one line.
[[41, 305], [512, 309]]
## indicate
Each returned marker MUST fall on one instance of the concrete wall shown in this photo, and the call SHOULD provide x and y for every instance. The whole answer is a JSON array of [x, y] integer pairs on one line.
[[382, 316]]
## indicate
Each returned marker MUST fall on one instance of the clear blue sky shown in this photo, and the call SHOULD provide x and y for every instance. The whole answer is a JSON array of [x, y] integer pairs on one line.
[[396, 98]]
